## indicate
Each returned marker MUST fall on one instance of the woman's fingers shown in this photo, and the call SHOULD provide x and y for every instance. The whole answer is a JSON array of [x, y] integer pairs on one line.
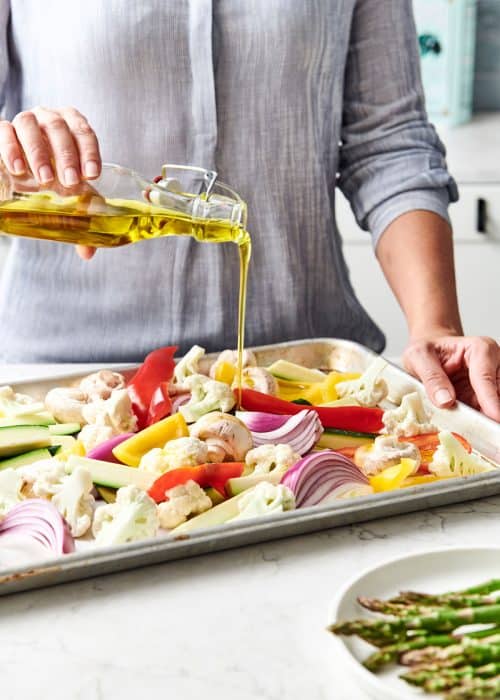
[[11, 151], [422, 360], [86, 143], [61, 142], [85, 252], [483, 360], [45, 139], [34, 145]]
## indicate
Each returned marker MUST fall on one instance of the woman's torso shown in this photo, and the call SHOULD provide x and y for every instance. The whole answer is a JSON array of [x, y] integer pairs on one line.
[[252, 89]]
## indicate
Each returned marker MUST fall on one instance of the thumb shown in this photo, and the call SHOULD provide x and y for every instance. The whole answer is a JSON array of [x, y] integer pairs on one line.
[[422, 360]]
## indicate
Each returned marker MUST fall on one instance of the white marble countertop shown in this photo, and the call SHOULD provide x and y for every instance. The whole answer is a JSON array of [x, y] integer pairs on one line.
[[246, 624]]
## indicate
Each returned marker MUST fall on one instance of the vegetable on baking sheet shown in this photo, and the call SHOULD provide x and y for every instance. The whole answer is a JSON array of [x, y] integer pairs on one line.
[[301, 431], [393, 477], [333, 439], [208, 475], [324, 476], [264, 463], [40, 520], [428, 443], [356, 418], [104, 451], [131, 451], [113, 475], [148, 388]]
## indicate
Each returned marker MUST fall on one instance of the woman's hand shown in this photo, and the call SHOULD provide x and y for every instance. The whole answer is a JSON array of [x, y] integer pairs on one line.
[[52, 143], [457, 367]]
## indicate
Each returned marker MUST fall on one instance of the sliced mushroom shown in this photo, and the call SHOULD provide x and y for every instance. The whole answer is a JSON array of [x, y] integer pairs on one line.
[[259, 379], [99, 385], [231, 357], [227, 438], [66, 404]]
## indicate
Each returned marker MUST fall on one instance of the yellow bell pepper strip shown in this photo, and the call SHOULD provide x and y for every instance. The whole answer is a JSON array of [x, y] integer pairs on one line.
[[158, 434], [419, 480], [315, 392], [225, 372], [393, 477]]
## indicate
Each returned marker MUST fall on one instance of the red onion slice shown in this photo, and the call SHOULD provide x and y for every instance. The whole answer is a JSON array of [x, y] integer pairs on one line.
[[40, 520], [317, 476], [301, 431]]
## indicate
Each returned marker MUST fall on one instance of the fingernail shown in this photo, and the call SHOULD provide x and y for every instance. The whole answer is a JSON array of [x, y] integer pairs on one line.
[[18, 166], [443, 396], [45, 174], [91, 169], [71, 177]]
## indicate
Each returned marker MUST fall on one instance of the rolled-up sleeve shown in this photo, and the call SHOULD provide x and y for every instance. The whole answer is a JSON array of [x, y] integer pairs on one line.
[[391, 159], [4, 50]]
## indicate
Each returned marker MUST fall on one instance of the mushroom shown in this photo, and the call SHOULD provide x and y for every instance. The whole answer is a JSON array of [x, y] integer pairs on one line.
[[66, 404], [99, 385], [227, 438], [385, 452], [259, 379], [231, 357]]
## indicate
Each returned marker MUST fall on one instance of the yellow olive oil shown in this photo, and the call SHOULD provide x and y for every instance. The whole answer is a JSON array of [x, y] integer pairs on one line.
[[92, 221]]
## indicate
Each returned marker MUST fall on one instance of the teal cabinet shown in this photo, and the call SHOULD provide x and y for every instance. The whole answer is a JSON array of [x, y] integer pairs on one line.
[[446, 35]]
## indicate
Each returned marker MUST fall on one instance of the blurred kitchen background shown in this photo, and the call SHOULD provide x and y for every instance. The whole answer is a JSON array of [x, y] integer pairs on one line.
[[460, 48]]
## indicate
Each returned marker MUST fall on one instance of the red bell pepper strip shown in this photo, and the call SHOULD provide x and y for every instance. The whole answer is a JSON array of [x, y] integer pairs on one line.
[[148, 388], [429, 442], [214, 475], [356, 418]]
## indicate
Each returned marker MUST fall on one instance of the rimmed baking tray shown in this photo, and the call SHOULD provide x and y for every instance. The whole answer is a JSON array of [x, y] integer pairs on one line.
[[483, 433]]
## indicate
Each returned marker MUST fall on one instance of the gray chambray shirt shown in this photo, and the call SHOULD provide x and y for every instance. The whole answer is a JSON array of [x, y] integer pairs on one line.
[[285, 99]]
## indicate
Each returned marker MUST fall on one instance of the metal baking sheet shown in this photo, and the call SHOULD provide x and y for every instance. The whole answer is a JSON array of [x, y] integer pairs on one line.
[[483, 433]]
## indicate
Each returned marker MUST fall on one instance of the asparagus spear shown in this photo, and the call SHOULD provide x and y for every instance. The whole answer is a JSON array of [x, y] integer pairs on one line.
[[414, 596], [476, 654], [407, 606], [388, 654], [476, 688], [441, 620], [436, 679]]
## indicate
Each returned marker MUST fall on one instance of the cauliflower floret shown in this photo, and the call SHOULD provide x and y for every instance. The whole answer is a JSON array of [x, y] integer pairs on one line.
[[43, 479], [231, 357], [265, 499], [184, 500], [370, 389], [92, 435], [188, 365], [10, 489], [385, 452], [100, 385], [181, 452], [452, 459], [410, 418], [206, 395], [107, 418], [132, 517], [267, 458], [75, 502], [13, 404]]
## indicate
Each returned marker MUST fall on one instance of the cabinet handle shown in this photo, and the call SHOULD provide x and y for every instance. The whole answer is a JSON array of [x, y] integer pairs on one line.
[[482, 216]]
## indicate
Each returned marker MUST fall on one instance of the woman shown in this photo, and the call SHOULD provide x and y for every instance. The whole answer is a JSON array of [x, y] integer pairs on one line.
[[263, 91]]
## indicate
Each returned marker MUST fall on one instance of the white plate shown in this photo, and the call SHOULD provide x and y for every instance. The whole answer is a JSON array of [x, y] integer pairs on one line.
[[432, 572]]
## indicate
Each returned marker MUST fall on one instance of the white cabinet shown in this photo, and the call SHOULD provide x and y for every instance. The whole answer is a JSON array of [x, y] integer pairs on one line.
[[474, 160]]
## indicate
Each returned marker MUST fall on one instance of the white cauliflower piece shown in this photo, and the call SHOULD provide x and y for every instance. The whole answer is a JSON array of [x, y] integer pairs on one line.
[[452, 459], [100, 385], [92, 435], [183, 500], [385, 452], [267, 458], [265, 499], [13, 405], [206, 395], [10, 490], [132, 517], [181, 452], [188, 365], [75, 502], [370, 389], [410, 418], [107, 418], [43, 479]]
